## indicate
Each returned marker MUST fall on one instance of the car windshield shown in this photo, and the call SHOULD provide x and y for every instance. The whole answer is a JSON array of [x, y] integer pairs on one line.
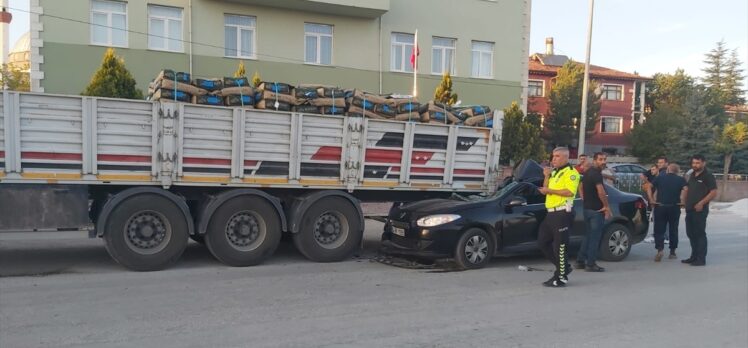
[[504, 190]]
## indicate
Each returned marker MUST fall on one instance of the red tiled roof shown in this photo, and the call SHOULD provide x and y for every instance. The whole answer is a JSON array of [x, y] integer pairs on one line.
[[595, 71]]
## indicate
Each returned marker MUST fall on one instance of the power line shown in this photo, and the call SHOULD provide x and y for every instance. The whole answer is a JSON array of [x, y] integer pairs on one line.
[[294, 60]]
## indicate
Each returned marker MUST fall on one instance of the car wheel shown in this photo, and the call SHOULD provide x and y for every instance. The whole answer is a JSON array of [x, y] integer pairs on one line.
[[474, 249], [615, 244]]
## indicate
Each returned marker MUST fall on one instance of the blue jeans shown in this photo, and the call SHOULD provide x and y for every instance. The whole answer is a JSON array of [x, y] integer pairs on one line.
[[591, 240]]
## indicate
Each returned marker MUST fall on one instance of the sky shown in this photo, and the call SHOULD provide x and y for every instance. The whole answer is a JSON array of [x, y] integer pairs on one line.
[[646, 36]]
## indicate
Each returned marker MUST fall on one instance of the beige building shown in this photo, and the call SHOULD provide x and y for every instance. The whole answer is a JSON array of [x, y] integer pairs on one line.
[[353, 44]]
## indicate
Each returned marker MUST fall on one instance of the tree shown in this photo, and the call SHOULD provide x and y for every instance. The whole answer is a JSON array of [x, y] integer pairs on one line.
[[240, 71], [565, 101], [443, 93], [695, 133], [520, 137], [113, 80], [15, 78], [647, 139], [715, 61], [733, 82], [732, 138], [670, 90], [256, 80], [724, 76]]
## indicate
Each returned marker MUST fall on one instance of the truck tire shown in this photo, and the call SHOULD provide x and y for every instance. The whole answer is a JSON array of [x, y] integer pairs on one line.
[[330, 230], [146, 232], [474, 249], [243, 231]]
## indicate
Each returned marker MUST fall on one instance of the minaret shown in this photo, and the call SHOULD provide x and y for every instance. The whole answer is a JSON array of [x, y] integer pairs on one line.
[[5, 18]]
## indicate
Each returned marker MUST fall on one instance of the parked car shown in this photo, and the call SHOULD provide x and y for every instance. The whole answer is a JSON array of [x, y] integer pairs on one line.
[[472, 230], [628, 176]]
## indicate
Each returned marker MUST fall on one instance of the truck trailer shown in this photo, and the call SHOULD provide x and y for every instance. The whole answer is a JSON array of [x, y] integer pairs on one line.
[[146, 176]]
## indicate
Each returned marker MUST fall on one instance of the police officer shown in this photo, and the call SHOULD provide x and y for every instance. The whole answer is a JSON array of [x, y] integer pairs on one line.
[[560, 188]]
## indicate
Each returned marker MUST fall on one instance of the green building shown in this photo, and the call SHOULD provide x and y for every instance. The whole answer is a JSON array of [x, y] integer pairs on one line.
[[364, 44]]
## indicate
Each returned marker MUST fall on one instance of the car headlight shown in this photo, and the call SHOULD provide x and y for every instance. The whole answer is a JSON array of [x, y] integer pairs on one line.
[[436, 220]]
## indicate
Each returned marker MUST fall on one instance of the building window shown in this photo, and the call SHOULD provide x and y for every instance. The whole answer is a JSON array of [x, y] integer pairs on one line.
[[402, 49], [535, 88], [239, 34], [109, 23], [611, 124], [165, 28], [443, 55], [318, 44], [612, 92], [482, 59]]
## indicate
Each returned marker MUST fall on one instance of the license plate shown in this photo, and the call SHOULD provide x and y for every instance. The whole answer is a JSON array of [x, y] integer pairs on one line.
[[398, 231]]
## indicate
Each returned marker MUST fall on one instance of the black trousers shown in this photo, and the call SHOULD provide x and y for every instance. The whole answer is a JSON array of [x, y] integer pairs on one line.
[[666, 217], [696, 232], [553, 240]]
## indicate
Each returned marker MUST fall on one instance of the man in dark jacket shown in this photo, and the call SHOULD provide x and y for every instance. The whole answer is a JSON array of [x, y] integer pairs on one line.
[[702, 188]]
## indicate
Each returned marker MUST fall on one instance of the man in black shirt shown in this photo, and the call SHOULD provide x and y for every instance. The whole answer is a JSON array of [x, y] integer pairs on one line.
[[671, 194], [702, 188], [662, 165], [596, 210]]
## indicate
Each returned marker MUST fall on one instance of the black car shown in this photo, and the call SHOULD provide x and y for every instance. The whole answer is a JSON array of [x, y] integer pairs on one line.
[[472, 230]]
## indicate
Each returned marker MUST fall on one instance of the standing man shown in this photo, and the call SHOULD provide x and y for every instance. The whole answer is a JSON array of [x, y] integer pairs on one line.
[[662, 164], [581, 163], [596, 211], [671, 194], [559, 187], [702, 188]]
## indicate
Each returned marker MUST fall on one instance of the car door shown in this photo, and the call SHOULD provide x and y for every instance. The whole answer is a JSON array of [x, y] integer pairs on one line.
[[520, 223]]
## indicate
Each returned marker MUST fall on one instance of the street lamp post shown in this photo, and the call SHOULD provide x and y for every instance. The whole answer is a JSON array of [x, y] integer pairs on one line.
[[586, 85]]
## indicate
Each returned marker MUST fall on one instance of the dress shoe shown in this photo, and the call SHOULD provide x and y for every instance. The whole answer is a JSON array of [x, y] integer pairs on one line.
[[688, 260], [698, 263], [594, 268]]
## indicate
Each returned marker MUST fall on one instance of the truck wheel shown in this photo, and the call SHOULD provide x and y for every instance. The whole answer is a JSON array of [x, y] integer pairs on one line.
[[615, 243], [329, 231], [474, 249], [243, 231], [146, 232]]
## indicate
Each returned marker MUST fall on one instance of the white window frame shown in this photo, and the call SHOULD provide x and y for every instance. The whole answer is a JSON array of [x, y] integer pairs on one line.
[[164, 35], [319, 44], [620, 124], [238, 29], [110, 26], [542, 88], [603, 94], [480, 56], [443, 49], [406, 53]]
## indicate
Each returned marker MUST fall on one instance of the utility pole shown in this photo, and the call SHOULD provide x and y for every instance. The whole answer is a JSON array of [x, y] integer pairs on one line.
[[586, 85]]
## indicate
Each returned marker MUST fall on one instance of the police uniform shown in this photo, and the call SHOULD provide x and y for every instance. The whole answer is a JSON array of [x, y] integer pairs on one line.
[[553, 236]]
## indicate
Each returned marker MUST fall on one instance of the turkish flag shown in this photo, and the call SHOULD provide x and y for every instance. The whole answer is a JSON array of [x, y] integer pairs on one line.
[[414, 53]]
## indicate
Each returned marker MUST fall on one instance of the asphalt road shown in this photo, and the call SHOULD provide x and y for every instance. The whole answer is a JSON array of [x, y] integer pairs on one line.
[[68, 293]]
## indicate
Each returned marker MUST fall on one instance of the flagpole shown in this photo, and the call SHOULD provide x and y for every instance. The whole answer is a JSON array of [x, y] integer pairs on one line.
[[415, 65]]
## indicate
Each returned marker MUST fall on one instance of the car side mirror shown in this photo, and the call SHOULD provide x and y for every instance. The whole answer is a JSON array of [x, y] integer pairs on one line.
[[516, 201]]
